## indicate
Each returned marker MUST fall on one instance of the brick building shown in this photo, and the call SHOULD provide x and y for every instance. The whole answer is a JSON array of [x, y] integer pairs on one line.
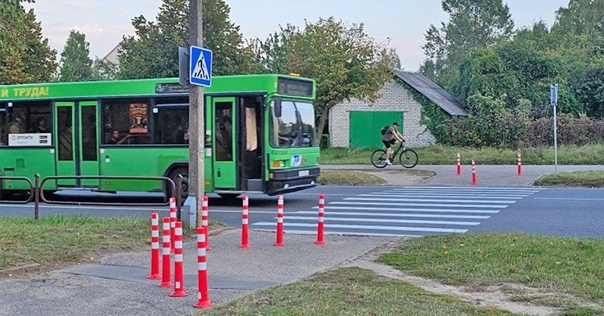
[[356, 124]]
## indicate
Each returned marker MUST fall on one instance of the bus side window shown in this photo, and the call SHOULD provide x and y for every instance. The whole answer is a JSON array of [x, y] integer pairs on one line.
[[128, 117], [171, 126], [3, 127], [27, 117], [224, 132]]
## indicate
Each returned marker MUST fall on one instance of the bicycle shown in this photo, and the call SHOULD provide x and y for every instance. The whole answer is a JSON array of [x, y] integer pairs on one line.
[[407, 157]]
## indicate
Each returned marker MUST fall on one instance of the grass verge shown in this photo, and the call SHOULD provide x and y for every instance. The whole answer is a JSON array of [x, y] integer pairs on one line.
[[347, 177], [588, 179], [566, 272], [349, 291], [61, 239], [445, 155]]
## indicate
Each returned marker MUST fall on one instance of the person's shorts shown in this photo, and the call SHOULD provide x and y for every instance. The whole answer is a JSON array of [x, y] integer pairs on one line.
[[387, 143]]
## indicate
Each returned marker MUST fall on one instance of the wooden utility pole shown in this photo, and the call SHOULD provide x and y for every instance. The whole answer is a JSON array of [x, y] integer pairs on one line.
[[196, 115]]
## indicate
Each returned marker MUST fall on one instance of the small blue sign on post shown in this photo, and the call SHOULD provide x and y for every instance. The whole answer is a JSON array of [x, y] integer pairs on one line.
[[200, 66], [553, 91]]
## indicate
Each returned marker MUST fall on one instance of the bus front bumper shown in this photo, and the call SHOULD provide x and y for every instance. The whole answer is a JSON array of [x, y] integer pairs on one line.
[[285, 181]]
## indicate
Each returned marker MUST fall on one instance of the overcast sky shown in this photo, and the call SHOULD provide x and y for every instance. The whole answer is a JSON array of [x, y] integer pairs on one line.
[[404, 22]]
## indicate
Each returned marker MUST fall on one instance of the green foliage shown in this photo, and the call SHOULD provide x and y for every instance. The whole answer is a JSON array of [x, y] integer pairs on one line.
[[589, 89], [581, 17], [344, 60], [483, 71], [472, 24], [25, 56], [153, 51], [75, 63]]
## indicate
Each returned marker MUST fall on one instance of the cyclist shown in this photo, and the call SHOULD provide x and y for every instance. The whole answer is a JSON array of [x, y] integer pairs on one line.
[[391, 137]]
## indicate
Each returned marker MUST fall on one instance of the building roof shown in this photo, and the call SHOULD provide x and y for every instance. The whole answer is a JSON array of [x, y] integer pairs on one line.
[[432, 91]]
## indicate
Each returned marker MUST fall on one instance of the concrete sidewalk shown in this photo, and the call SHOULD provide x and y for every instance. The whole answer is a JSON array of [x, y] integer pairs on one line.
[[118, 286]]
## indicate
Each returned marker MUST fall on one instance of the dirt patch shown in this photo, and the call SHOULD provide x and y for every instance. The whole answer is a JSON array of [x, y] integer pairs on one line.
[[494, 295]]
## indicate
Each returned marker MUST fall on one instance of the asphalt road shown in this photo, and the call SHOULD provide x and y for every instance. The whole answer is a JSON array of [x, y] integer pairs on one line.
[[395, 210]]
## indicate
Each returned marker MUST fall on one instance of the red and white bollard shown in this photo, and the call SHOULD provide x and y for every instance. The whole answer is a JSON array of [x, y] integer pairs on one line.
[[204, 221], [279, 242], [154, 248], [244, 224], [474, 181], [165, 258], [172, 220], [321, 223], [202, 271], [519, 164], [179, 286], [458, 164]]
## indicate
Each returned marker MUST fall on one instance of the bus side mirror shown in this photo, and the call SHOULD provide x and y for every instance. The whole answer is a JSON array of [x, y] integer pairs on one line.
[[278, 107]]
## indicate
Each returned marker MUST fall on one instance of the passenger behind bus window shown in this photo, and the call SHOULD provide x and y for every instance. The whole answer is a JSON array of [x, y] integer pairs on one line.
[[182, 136], [116, 139], [17, 126], [40, 126]]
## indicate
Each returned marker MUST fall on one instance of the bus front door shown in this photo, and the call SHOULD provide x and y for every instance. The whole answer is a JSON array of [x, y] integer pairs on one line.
[[77, 142], [225, 135]]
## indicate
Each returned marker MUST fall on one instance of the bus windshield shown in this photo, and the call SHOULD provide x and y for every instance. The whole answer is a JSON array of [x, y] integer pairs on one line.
[[295, 127]]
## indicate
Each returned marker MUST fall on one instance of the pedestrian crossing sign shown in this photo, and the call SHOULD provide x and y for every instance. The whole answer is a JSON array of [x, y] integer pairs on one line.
[[200, 66]]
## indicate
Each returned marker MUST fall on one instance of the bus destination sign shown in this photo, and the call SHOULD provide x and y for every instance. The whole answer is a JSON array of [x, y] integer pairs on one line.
[[294, 87]]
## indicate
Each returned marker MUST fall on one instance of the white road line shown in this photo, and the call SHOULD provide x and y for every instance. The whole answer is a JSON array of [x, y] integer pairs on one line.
[[425, 200], [338, 233], [469, 189], [436, 210], [397, 215], [421, 204], [485, 196], [364, 227], [373, 220], [572, 199]]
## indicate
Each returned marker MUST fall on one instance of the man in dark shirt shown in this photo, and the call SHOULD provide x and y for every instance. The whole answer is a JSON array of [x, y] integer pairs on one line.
[[391, 137], [115, 138]]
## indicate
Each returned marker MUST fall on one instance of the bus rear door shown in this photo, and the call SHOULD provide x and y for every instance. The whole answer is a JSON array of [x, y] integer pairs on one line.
[[77, 142], [225, 135]]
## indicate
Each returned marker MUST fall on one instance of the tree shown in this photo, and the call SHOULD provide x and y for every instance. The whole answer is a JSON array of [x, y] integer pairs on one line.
[[581, 17], [75, 63], [483, 71], [104, 70], [153, 51], [345, 61], [472, 24], [25, 56], [589, 89]]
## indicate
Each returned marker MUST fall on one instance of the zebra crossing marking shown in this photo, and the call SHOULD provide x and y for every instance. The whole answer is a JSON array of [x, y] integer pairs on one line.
[[418, 210]]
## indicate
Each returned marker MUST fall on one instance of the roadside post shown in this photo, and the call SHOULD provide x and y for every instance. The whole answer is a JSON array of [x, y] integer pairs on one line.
[[195, 71], [553, 89]]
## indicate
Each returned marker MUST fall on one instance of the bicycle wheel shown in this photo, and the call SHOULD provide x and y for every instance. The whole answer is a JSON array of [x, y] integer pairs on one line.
[[378, 158], [408, 158]]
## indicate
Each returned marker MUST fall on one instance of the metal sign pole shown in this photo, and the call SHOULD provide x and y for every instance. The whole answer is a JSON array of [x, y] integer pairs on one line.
[[554, 102]]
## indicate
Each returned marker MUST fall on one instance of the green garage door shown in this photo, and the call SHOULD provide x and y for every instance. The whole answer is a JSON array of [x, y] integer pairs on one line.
[[365, 127]]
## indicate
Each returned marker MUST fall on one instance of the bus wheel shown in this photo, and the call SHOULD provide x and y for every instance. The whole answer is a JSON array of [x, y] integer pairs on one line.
[[184, 193]]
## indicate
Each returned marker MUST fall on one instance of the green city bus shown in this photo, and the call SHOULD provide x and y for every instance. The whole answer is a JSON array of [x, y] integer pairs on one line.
[[259, 134]]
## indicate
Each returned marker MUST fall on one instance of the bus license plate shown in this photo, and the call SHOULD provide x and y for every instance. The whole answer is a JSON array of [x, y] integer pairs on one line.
[[303, 173]]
